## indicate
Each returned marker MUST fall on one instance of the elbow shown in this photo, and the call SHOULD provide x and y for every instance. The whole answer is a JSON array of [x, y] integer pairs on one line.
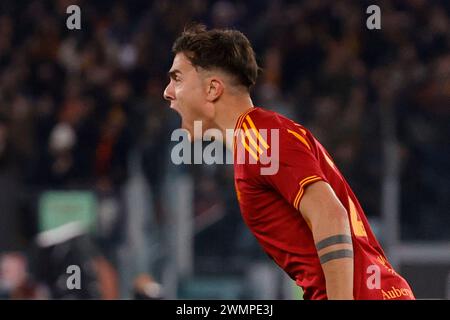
[[339, 214], [340, 219], [333, 221]]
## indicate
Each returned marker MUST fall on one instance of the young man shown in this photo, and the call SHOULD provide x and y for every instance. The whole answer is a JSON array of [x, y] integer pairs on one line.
[[304, 215]]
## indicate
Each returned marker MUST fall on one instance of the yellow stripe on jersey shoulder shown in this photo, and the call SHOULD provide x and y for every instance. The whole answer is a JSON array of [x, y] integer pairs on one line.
[[299, 137], [238, 193], [330, 162], [301, 129], [247, 147], [251, 140], [261, 140], [250, 137], [242, 118], [238, 127]]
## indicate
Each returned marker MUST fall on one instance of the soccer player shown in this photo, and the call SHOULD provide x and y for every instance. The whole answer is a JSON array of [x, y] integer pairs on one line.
[[304, 215]]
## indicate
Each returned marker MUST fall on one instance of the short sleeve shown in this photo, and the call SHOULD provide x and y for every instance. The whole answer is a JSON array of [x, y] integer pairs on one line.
[[298, 166]]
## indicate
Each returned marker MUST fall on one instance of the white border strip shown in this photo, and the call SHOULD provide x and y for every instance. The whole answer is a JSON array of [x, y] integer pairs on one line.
[[60, 234]]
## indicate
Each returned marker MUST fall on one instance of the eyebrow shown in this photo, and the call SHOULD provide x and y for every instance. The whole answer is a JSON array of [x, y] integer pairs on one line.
[[173, 73]]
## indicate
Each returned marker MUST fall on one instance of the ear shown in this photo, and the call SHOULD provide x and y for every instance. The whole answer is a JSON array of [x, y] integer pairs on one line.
[[214, 90]]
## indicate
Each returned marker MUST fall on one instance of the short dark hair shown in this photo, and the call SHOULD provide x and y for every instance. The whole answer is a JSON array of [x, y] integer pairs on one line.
[[225, 49]]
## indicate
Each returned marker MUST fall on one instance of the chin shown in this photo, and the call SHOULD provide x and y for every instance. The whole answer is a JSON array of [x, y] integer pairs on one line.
[[190, 129]]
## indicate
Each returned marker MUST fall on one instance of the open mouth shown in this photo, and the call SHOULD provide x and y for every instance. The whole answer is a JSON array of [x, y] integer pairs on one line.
[[178, 115], [172, 108]]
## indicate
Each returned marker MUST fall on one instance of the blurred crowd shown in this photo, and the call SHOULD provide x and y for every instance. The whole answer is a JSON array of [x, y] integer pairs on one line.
[[75, 104]]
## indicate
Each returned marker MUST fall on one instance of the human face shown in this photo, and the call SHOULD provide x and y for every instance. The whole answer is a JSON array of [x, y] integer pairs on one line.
[[187, 93]]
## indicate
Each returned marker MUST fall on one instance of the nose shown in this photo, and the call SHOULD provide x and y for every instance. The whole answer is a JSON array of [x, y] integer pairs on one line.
[[169, 92]]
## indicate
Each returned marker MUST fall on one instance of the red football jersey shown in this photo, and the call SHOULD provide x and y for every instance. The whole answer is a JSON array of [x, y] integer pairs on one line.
[[270, 205]]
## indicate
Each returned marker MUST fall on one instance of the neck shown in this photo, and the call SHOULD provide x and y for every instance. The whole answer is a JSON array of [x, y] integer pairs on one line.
[[228, 112]]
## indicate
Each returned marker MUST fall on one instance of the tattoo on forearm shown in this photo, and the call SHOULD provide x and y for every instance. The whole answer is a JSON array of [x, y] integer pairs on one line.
[[338, 254], [337, 239]]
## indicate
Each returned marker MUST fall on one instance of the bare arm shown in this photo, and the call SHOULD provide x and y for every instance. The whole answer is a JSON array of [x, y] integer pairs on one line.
[[329, 223]]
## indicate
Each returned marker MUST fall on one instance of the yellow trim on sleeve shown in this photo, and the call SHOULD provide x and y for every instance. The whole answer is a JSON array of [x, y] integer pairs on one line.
[[302, 184]]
